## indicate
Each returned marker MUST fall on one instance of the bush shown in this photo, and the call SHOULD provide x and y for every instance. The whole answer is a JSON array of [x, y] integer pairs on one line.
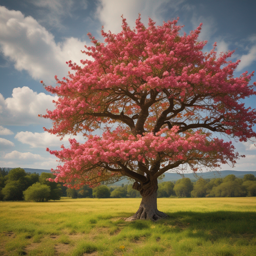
[[101, 192], [37, 192], [55, 188], [119, 192]]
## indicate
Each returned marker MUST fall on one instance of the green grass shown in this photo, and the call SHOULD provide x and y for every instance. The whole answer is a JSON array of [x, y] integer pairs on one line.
[[206, 226]]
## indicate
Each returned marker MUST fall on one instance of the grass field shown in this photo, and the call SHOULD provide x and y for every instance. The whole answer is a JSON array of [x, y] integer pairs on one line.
[[197, 226]]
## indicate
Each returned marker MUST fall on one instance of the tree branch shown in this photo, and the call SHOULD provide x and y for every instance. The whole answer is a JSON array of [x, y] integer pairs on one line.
[[131, 174], [126, 119], [166, 168], [139, 128]]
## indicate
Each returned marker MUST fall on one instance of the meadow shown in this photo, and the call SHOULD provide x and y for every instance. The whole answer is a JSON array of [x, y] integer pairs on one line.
[[196, 226]]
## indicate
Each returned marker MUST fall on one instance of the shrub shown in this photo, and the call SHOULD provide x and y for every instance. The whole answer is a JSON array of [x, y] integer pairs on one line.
[[101, 192], [37, 192]]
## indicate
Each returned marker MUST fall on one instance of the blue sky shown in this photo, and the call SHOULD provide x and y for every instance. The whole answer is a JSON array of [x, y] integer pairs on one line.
[[38, 37]]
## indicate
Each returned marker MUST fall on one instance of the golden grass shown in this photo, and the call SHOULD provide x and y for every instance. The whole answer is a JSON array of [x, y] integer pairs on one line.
[[197, 226]]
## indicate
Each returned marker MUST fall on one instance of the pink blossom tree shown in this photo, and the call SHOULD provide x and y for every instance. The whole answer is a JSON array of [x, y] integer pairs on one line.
[[167, 98]]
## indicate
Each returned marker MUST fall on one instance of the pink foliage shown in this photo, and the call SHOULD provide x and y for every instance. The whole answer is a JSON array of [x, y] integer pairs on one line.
[[153, 73]]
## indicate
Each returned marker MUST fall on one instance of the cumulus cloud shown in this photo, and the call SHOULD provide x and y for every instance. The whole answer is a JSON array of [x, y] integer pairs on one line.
[[24, 106], [43, 140], [32, 48], [5, 131], [247, 59], [109, 12], [28, 160], [5, 144], [16, 155], [208, 28]]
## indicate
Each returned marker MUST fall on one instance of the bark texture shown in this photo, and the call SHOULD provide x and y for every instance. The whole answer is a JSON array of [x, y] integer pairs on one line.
[[148, 206]]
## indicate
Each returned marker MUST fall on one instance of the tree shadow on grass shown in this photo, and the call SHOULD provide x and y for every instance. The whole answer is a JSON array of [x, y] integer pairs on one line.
[[214, 226], [210, 226]]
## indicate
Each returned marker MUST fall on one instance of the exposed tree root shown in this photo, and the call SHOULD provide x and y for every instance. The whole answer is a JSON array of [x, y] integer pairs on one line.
[[147, 214], [148, 209]]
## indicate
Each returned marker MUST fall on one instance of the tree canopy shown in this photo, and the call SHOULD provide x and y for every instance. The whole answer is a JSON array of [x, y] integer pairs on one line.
[[159, 100]]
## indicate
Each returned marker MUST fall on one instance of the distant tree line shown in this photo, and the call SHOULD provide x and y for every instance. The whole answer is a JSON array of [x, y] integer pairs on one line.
[[19, 185], [230, 186]]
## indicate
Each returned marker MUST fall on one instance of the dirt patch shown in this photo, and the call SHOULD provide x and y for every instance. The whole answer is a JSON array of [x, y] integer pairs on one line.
[[76, 236], [91, 254], [31, 247], [62, 248], [9, 234], [102, 230]]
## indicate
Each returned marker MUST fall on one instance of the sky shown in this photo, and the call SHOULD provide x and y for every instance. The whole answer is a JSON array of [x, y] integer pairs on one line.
[[37, 37]]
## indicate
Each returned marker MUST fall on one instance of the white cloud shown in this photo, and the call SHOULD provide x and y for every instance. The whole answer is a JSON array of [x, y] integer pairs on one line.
[[15, 155], [208, 28], [250, 145], [5, 144], [109, 12], [24, 106], [28, 160], [247, 59], [32, 48], [222, 46], [243, 164], [5, 131], [43, 140]]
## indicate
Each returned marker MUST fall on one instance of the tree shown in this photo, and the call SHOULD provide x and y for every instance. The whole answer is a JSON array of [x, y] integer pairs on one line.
[[250, 186], [3, 172], [72, 193], [167, 98], [37, 192], [132, 192], [101, 192], [12, 191], [165, 189], [85, 191], [32, 178], [211, 184], [230, 177], [249, 177], [183, 187], [119, 192], [16, 182], [231, 188], [3, 178], [55, 189], [200, 188]]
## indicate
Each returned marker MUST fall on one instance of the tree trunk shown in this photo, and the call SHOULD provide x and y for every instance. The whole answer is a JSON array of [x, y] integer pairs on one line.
[[148, 206]]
